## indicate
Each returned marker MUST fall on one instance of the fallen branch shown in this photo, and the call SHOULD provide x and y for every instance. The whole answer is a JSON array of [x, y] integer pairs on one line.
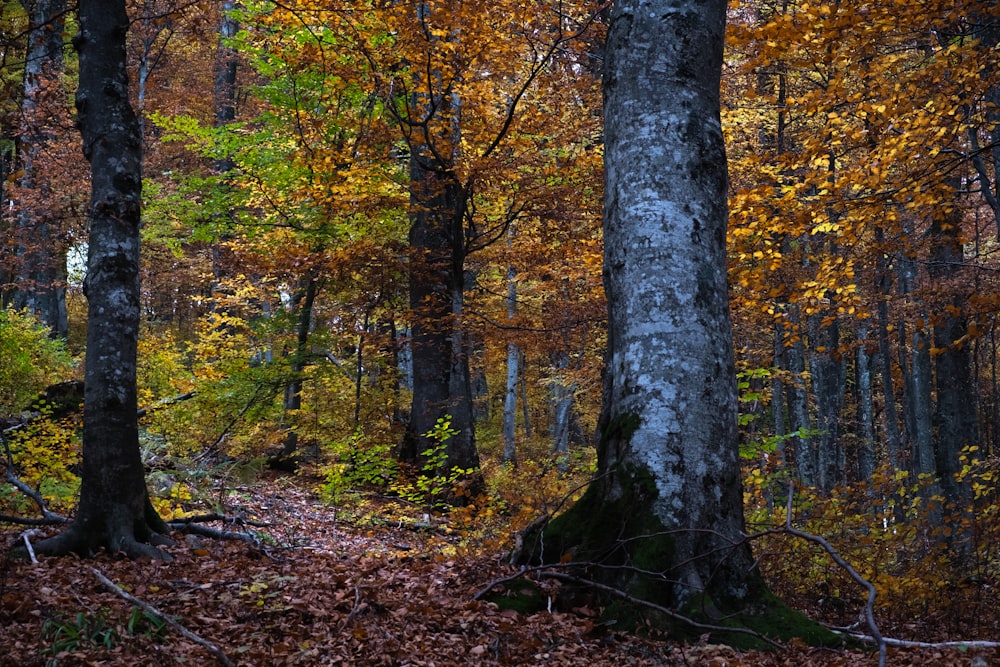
[[215, 533], [903, 643], [48, 517], [33, 521], [876, 635], [225, 518], [562, 576], [153, 611], [549, 572]]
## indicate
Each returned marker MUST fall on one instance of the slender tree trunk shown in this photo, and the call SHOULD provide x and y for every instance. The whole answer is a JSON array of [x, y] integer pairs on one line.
[[891, 419], [292, 403], [827, 373], [40, 275], [954, 418], [803, 444], [513, 357], [114, 510], [866, 408], [562, 408]]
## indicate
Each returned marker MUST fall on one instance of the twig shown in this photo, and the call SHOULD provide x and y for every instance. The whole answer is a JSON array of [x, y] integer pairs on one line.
[[153, 611], [26, 536], [876, 635], [225, 518], [562, 576], [48, 517], [162, 403]]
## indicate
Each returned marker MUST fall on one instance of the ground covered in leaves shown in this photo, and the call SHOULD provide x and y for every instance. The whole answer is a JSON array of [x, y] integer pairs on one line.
[[389, 587]]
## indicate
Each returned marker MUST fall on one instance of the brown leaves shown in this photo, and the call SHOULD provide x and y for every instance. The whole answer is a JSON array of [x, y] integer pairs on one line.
[[343, 597]]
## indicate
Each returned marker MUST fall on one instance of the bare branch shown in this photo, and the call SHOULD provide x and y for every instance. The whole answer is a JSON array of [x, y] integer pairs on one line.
[[153, 611]]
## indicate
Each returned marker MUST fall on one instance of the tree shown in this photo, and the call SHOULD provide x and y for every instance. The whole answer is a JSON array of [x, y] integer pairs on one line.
[[114, 510], [667, 496], [39, 283]]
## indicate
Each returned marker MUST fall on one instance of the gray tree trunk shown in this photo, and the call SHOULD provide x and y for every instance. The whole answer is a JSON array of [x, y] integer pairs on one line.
[[114, 510], [40, 274], [303, 301], [563, 392], [891, 419], [866, 408], [803, 444], [827, 373], [513, 357], [668, 495], [917, 380]]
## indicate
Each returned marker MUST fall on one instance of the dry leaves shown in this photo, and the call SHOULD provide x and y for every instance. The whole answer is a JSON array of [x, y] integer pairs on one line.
[[331, 594]]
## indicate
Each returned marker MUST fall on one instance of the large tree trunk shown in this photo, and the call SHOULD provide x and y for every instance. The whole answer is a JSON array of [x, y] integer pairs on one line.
[[40, 274], [114, 511], [668, 496]]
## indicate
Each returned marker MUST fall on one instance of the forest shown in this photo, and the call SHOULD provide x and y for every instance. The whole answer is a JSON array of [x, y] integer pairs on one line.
[[326, 332]]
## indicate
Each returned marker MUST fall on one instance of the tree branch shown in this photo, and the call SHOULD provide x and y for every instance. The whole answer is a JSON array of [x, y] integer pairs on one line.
[[153, 611]]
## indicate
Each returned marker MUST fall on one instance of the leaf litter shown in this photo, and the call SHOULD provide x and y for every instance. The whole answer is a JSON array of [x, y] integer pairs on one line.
[[322, 589]]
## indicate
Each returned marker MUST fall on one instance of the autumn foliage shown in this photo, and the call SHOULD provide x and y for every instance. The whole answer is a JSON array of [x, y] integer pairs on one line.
[[864, 147]]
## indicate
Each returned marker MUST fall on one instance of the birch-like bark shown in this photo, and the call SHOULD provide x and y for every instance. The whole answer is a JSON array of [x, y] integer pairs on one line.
[[670, 407]]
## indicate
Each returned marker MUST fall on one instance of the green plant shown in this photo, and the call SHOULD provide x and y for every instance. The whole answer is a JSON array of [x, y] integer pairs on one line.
[[434, 481], [141, 622], [357, 463], [81, 631], [31, 360]]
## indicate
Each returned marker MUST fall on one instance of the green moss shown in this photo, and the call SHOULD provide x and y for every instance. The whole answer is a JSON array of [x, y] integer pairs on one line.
[[627, 539], [772, 618], [620, 427]]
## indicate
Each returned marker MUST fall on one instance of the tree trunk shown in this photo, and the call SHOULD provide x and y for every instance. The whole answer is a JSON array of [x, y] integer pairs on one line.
[[40, 279], [803, 444], [866, 408], [441, 379], [891, 418], [954, 418], [667, 497], [114, 510], [513, 371], [563, 392], [826, 367], [304, 301]]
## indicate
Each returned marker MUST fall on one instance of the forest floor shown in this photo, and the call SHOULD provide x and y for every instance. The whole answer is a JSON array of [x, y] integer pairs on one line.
[[387, 586]]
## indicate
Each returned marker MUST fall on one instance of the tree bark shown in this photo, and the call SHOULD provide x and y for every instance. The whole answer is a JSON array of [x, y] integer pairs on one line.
[[292, 403], [114, 510], [40, 280], [513, 373], [668, 496], [954, 419], [864, 363]]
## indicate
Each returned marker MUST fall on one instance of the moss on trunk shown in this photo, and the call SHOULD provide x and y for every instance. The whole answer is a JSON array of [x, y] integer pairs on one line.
[[618, 541]]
